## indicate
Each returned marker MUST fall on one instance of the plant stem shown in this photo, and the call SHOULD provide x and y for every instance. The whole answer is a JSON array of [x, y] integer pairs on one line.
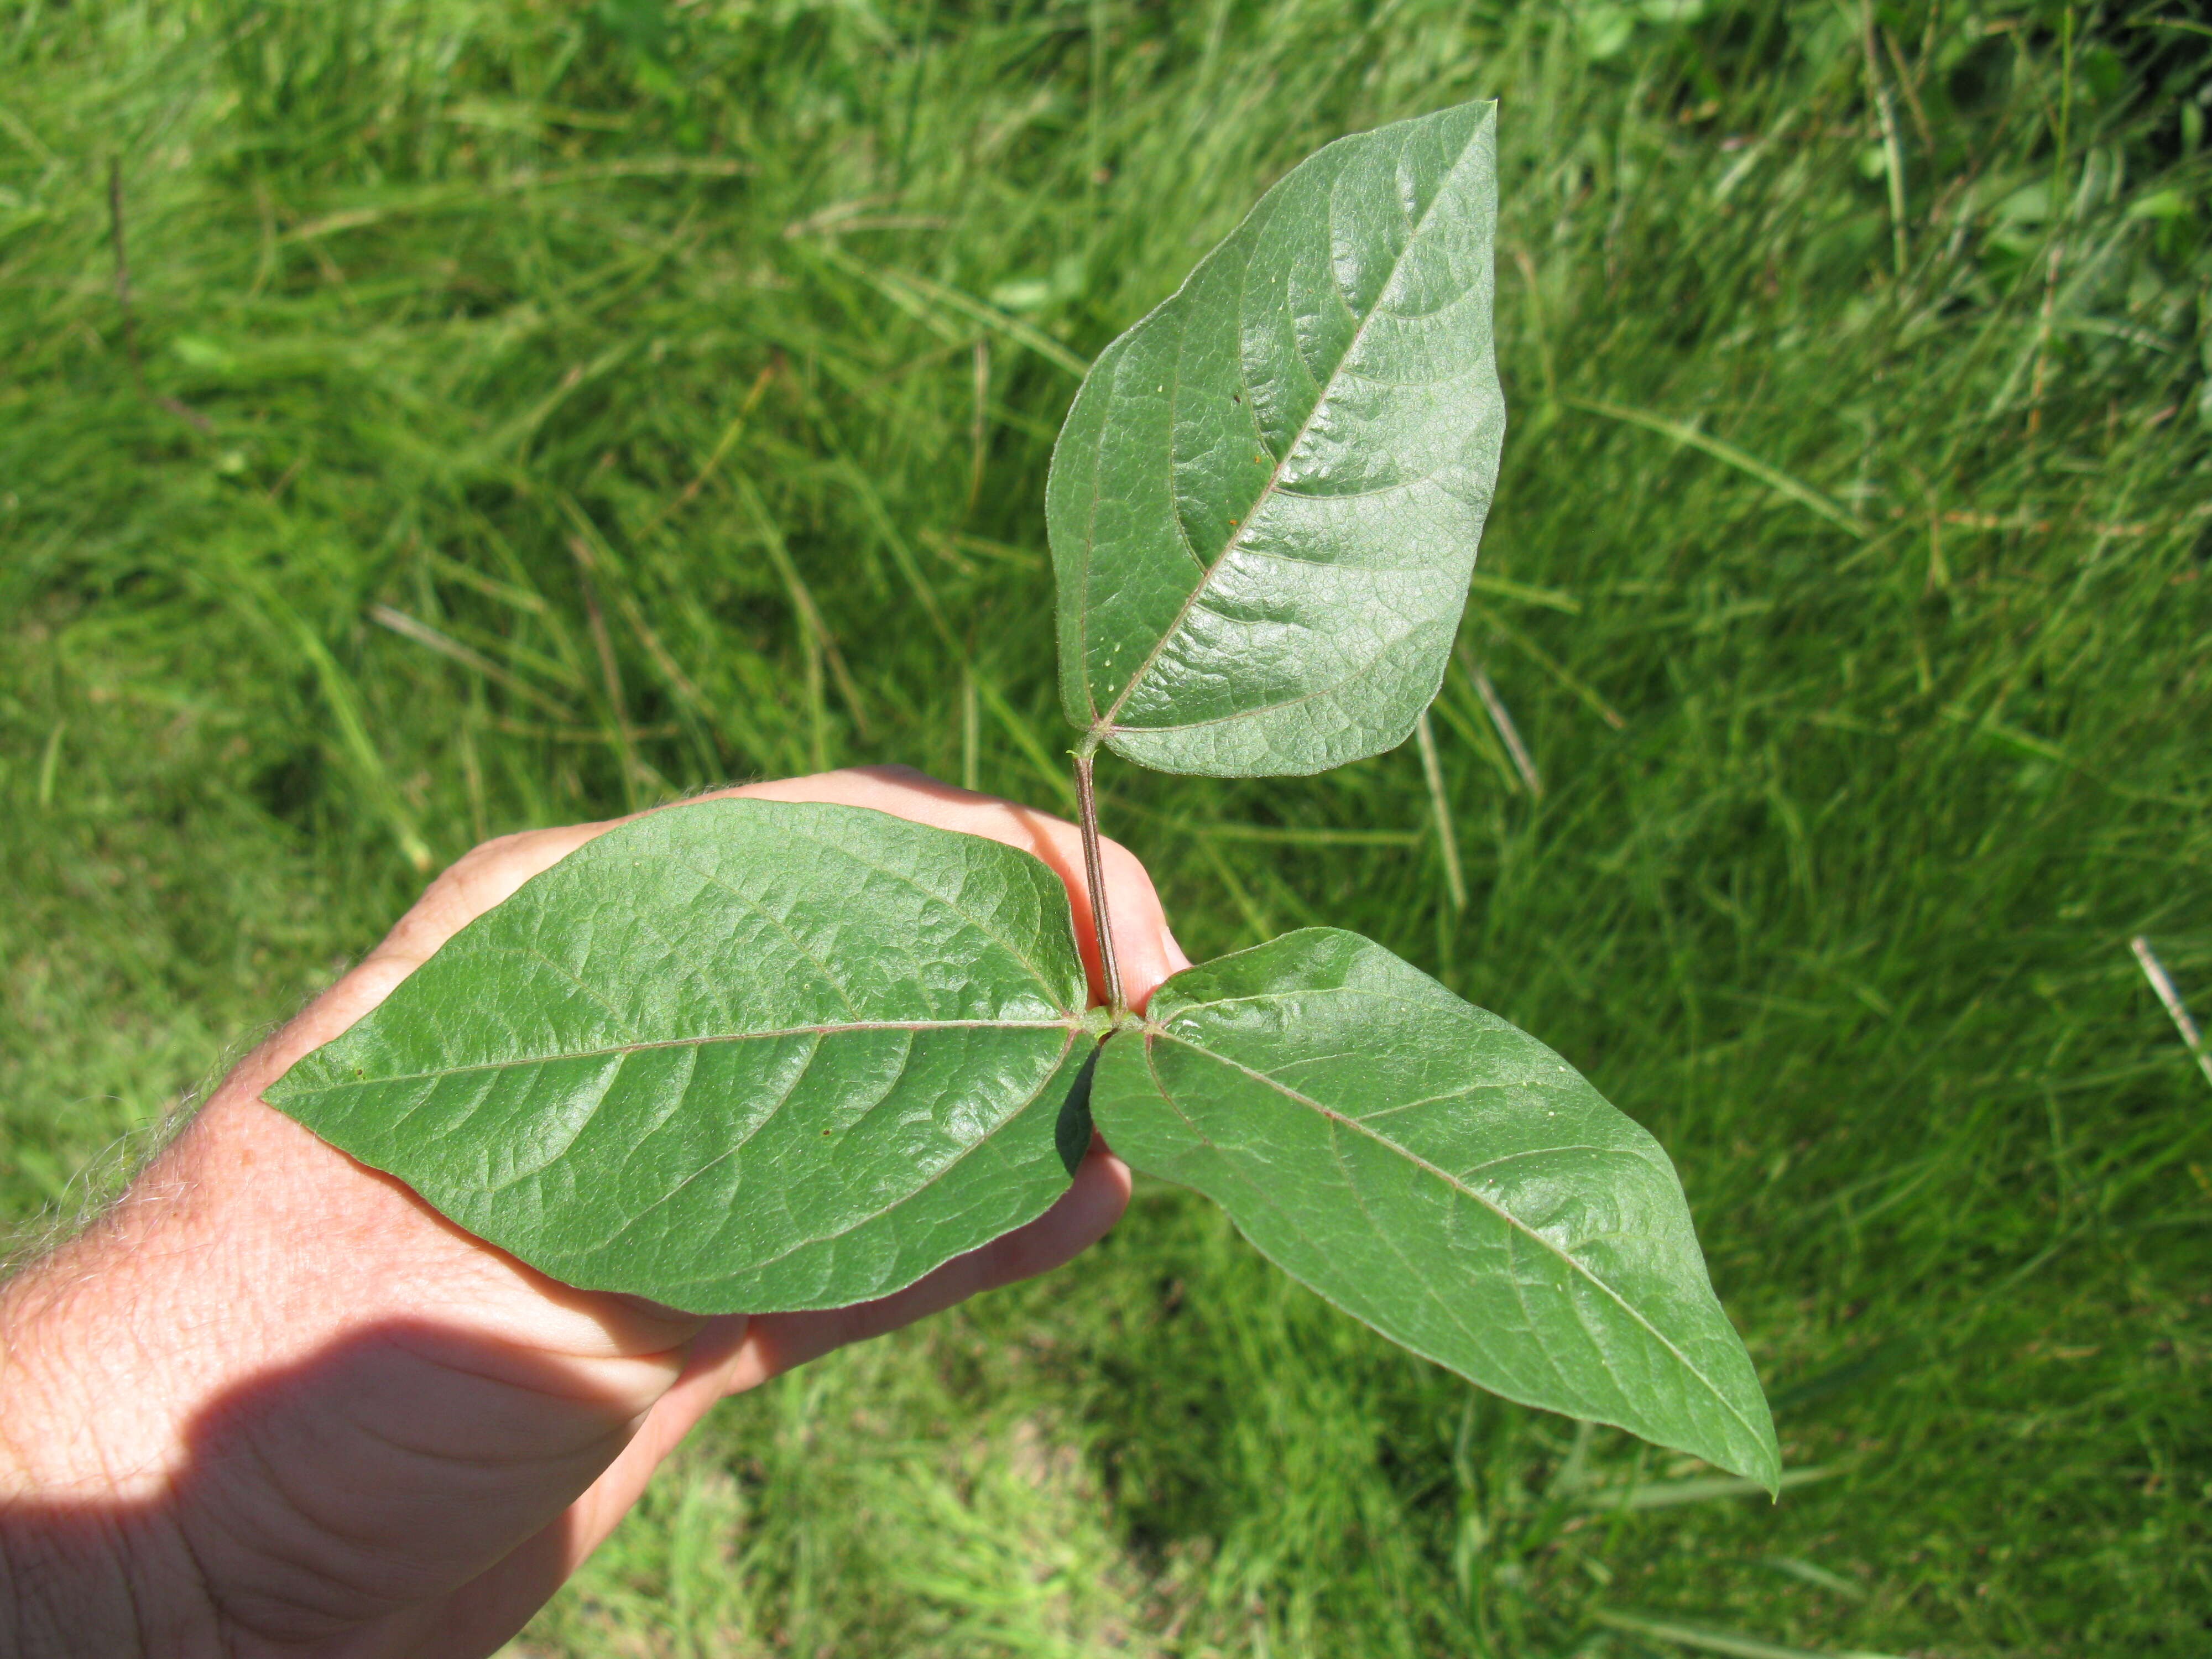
[[1094, 876]]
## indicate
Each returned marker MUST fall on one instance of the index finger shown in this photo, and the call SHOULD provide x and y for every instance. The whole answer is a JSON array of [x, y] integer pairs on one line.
[[1144, 947]]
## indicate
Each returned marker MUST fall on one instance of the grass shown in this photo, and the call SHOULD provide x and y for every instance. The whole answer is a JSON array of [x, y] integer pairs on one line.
[[522, 413]]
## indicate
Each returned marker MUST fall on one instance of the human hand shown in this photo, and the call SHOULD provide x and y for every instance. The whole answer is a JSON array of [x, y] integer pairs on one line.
[[272, 1403]]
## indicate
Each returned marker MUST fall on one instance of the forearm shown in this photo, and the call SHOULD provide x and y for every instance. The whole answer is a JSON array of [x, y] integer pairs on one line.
[[262, 1405]]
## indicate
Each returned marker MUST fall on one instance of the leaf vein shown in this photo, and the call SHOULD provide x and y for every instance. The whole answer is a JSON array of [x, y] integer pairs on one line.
[[832, 1028], [774, 921], [1512, 1221], [1318, 692], [1058, 1065], [974, 921], [1274, 478]]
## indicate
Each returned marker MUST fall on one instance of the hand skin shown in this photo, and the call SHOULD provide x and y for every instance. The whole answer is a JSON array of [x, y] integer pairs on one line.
[[273, 1405]]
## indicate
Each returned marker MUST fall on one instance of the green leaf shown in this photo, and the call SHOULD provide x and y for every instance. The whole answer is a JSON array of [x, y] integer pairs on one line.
[[1264, 502], [737, 1055], [1443, 1177]]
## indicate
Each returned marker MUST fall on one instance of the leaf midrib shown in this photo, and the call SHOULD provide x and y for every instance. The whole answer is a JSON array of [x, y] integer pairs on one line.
[[1362, 672], [828, 1029], [1159, 1087], [1105, 722], [1511, 1220]]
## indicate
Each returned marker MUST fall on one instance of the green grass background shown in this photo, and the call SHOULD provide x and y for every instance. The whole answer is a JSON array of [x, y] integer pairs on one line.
[[526, 412]]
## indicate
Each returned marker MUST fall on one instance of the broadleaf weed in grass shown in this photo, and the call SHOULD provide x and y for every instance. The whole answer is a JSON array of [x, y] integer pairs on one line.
[[1939, 1138]]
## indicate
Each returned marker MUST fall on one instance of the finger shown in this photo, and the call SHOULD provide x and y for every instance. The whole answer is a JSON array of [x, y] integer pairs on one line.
[[733, 1354], [1144, 947], [773, 1343], [545, 1562], [483, 877]]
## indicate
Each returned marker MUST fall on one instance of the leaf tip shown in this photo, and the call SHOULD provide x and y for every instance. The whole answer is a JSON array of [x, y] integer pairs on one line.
[[1763, 1467]]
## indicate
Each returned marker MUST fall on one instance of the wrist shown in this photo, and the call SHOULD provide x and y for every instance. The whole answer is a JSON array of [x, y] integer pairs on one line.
[[91, 1580], [116, 1351], [88, 1565]]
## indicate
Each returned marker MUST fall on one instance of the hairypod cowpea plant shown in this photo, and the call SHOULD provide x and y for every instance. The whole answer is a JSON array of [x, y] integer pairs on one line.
[[748, 1056]]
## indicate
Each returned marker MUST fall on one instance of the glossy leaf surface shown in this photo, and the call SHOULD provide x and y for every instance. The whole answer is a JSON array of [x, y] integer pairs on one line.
[[1264, 502], [1443, 1177], [735, 1055]]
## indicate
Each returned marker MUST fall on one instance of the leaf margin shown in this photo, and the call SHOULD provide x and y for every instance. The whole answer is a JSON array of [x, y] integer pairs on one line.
[[1071, 565], [476, 1205], [1763, 1467]]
